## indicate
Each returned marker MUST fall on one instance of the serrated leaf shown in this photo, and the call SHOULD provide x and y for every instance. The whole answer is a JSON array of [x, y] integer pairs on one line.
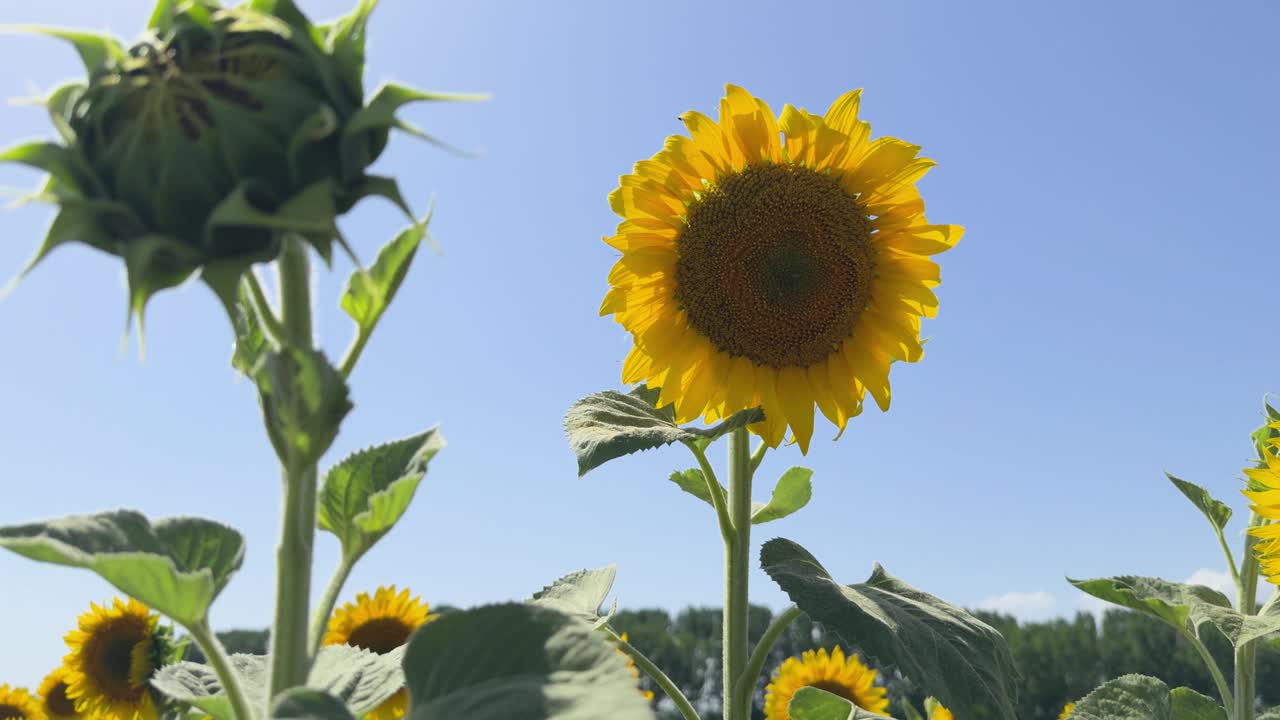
[[580, 594], [1130, 697], [308, 704], [502, 662], [367, 493], [1185, 607], [811, 703], [945, 651], [303, 399], [1215, 510], [176, 565], [610, 424], [369, 292], [1187, 704], [198, 685], [792, 492]]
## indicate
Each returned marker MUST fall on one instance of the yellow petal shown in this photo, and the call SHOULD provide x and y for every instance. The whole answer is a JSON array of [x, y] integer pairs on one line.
[[797, 402], [751, 125]]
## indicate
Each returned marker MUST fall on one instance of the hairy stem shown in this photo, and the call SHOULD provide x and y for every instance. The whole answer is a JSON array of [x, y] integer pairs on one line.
[[1218, 678], [718, 500], [737, 572], [289, 650], [217, 657], [320, 620], [653, 671], [760, 655], [270, 324]]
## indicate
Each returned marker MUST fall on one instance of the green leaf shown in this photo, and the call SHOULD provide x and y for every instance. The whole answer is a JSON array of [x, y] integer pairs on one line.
[[311, 212], [945, 651], [52, 158], [369, 292], [251, 342], [198, 685], [304, 400], [609, 424], [95, 49], [308, 704], [811, 703], [1217, 511], [580, 594], [1191, 705], [177, 565], [1130, 697], [367, 493], [154, 263], [345, 43], [365, 132], [517, 661], [790, 494], [1186, 607], [1270, 714], [694, 482]]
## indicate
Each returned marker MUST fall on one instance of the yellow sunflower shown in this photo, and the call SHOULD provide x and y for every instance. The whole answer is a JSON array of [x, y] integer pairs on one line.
[[53, 696], [18, 704], [1264, 493], [113, 655], [1066, 711], [834, 672], [778, 262], [635, 671], [937, 711], [380, 624]]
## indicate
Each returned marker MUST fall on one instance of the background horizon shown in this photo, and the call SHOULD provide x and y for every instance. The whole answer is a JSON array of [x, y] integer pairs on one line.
[[1102, 321]]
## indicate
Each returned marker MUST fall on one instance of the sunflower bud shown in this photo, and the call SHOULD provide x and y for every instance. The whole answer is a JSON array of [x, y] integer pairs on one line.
[[221, 131]]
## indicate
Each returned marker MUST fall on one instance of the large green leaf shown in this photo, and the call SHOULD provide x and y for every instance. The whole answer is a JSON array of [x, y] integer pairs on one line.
[[945, 651], [811, 703], [1139, 697], [1186, 607], [580, 594], [304, 400], [792, 492], [1191, 705], [308, 704], [1217, 511], [367, 493], [369, 292], [176, 565], [198, 685], [517, 662], [610, 424]]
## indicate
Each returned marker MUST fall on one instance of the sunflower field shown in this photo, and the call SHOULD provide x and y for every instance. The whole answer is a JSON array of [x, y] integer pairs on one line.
[[771, 269]]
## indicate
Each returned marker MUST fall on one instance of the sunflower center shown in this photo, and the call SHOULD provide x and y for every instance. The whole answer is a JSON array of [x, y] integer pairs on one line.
[[11, 712], [836, 688], [112, 660], [775, 264], [58, 702], [381, 635]]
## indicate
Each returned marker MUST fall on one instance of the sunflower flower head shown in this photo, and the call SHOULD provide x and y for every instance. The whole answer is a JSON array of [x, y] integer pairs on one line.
[[834, 672], [53, 696], [937, 711], [18, 704], [635, 672], [380, 624], [1263, 491], [774, 261], [1066, 711], [114, 652]]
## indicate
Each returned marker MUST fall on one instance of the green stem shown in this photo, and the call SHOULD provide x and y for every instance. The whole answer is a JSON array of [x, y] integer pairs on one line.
[[653, 671], [757, 455], [1247, 604], [320, 620], [348, 363], [1231, 559], [289, 650], [271, 325], [217, 656], [718, 500], [1218, 678], [747, 683], [737, 573]]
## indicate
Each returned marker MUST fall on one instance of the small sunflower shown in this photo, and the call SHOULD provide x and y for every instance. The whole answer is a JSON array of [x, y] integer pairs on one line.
[[940, 712], [635, 671], [779, 271], [1264, 493], [1066, 711], [18, 704], [53, 696], [113, 654], [380, 624], [836, 673]]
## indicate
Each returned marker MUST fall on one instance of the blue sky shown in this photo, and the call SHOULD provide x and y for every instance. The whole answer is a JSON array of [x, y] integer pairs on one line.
[[1104, 319]]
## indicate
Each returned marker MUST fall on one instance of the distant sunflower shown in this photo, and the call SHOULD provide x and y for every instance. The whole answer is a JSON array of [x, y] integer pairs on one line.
[[53, 697], [1264, 493], [635, 671], [113, 655], [780, 272], [834, 672], [937, 711], [380, 624], [1066, 711], [18, 704]]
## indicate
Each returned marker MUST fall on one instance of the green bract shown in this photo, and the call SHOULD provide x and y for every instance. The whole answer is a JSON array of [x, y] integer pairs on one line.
[[218, 133]]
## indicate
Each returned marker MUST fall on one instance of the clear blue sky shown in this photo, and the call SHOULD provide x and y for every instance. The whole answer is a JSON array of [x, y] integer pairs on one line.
[[1105, 317]]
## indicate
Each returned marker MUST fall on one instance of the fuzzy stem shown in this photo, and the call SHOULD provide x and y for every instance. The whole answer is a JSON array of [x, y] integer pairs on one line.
[[760, 655], [718, 500], [217, 657], [737, 573], [653, 671], [320, 620], [289, 650]]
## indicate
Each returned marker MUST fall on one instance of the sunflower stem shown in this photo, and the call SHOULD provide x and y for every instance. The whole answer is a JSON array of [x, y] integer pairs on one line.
[[289, 650], [1247, 604], [217, 657], [737, 573], [718, 500], [320, 620], [760, 655], [271, 325], [655, 673]]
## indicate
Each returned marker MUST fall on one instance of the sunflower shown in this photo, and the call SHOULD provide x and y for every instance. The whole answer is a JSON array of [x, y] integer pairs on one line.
[[18, 704], [113, 654], [380, 624], [53, 696], [1264, 493], [635, 671], [835, 673], [937, 711], [771, 271], [1066, 711]]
